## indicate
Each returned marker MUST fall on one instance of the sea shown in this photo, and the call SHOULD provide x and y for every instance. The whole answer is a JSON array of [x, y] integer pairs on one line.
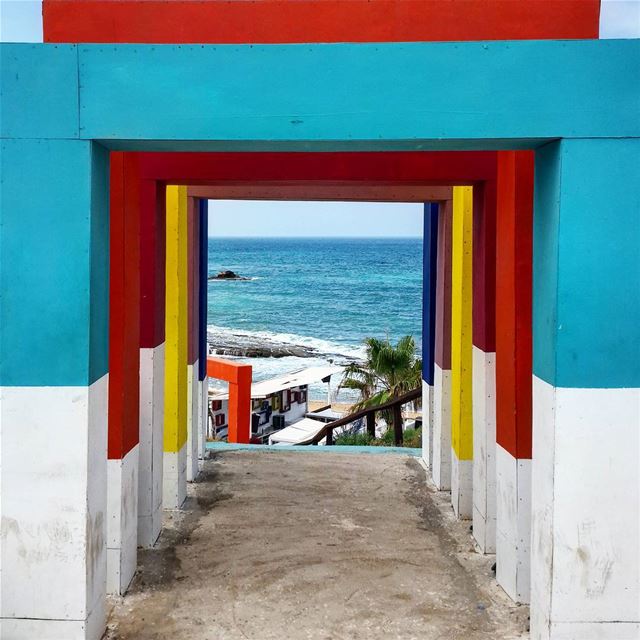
[[312, 299]]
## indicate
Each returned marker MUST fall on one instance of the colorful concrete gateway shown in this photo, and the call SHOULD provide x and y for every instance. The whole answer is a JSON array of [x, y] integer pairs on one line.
[[512, 121]]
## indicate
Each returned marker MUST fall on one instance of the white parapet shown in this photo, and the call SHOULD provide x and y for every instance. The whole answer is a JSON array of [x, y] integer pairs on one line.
[[174, 478], [427, 425], [54, 509], [151, 444], [484, 449], [122, 521], [513, 525], [193, 419], [441, 459], [585, 554], [461, 487]]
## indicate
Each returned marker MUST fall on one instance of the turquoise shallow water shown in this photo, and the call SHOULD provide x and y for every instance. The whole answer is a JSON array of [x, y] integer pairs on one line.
[[323, 294]]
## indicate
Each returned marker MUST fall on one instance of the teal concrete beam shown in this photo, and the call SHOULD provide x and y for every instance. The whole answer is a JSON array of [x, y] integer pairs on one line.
[[39, 91], [54, 265], [377, 96], [586, 264]]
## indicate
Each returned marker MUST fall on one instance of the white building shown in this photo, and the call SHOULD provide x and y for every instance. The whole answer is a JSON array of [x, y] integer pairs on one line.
[[275, 403]]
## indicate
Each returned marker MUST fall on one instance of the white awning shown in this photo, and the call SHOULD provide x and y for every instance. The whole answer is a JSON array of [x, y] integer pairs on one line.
[[300, 432], [268, 387], [293, 379]]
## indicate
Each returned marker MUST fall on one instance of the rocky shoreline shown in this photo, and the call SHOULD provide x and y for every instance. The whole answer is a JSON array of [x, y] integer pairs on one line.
[[243, 346]]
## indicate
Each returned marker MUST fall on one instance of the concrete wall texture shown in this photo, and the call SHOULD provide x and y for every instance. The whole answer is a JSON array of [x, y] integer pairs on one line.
[[558, 479]]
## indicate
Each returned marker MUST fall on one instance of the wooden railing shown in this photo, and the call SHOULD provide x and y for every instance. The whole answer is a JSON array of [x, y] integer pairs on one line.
[[370, 415]]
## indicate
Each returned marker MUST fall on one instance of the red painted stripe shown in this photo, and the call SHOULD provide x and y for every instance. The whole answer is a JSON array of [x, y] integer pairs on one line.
[[443, 288], [440, 168], [514, 243], [284, 21], [124, 308], [152, 263], [327, 191], [484, 266]]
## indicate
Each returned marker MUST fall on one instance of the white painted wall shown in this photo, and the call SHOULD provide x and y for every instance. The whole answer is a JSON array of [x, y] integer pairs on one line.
[[427, 424], [193, 418], [122, 521], [53, 554], [513, 537], [585, 553], [461, 487], [150, 451], [484, 449], [174, 478], [441, 469]]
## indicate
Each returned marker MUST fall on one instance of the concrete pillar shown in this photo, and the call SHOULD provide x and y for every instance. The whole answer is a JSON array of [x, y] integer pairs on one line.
[[239, 378], [484, 366], [152, 357], [124, 365], [514, 242], [461, 353], [429, 272], [441, 456], [175, 390], [585, 556], [193, 322], [54, 385], [202, 327]]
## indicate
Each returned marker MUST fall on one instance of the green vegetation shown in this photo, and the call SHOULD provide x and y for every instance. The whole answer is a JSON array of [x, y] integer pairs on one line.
[[388, 371], [412, 439]]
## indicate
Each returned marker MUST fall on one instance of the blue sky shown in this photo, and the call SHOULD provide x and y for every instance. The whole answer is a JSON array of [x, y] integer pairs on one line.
[[322, 219]]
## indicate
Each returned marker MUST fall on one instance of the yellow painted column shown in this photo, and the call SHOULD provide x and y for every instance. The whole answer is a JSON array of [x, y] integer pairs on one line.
[[176, 317], [462, 353]]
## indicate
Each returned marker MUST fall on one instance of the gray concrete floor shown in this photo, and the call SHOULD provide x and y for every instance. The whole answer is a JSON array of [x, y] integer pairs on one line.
[[314, 546]]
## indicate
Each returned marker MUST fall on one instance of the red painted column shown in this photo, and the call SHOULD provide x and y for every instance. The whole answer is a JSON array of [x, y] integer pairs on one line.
[[514, 370], [152, 347], [239, 377], [484, 375], [124, 362], [441, 469]]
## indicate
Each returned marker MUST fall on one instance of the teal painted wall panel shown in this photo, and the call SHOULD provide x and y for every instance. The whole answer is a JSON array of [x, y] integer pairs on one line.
[[54, 263], [39, 85], [545, 260], [99, 278], [587, 264], [354, 92]]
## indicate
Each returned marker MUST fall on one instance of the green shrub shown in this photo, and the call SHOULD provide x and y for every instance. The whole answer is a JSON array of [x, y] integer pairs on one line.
[[412, 438], [354, 439]]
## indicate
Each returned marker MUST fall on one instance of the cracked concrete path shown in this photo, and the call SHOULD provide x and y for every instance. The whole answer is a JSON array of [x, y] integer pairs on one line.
[[314, 546]]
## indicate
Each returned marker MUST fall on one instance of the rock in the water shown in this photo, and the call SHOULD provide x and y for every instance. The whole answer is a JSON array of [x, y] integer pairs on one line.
[[227, 275]]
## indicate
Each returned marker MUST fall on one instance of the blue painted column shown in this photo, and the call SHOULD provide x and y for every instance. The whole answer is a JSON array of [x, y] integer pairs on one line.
[[203, 210], [585, 560], [54, 291], [429, 272]]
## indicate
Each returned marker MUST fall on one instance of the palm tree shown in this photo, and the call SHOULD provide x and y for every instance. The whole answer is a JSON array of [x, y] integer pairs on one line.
[[387, 372]]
